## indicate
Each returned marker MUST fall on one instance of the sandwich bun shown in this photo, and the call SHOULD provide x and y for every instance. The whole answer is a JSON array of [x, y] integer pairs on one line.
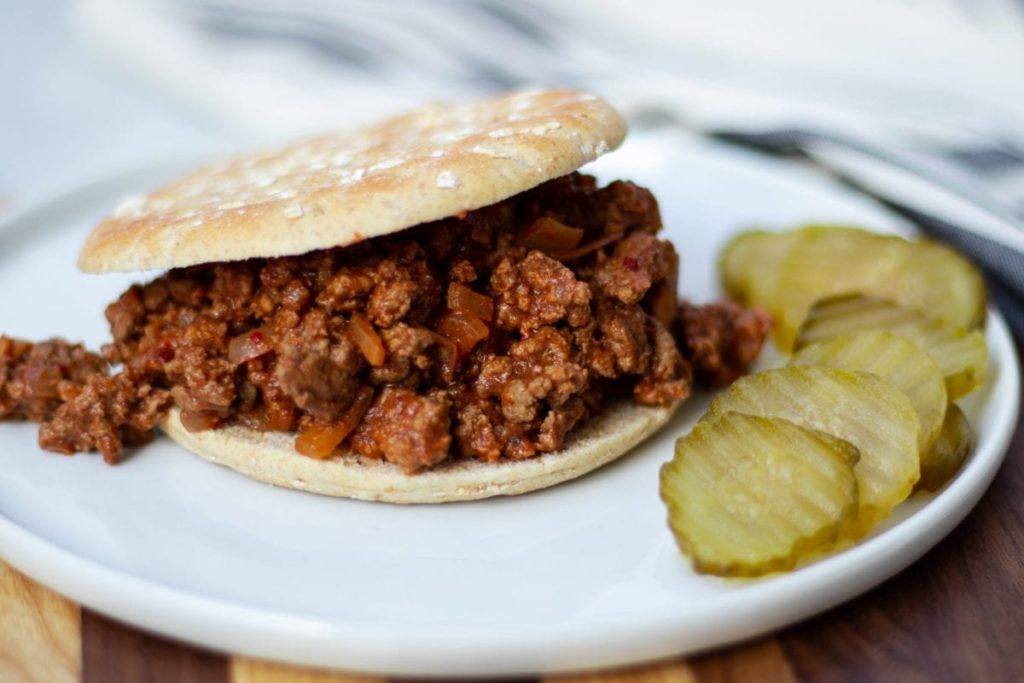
[[270, 457], [339, 189]]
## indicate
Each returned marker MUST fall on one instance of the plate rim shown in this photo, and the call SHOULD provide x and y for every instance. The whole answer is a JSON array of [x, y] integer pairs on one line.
[[220, 625]]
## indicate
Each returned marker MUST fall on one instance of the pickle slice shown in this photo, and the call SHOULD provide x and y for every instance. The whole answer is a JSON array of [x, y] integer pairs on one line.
[[941, 282], [749, 495], [858, 407], [826, 260], [922, 276], [750, 263], [955, 441], [895, 359], [962, 356]]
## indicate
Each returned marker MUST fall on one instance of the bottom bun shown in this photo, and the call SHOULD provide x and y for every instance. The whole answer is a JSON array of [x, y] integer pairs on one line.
[[271, 458]]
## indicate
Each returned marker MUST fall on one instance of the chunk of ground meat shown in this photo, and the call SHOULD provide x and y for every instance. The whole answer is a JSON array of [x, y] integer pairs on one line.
[[348, 289], [623, 206], [188, 286], [408, 355], [559, 422], [234, 286], [669, 375], [482, 432], [475, 431], [640, 261], [200, 365], [393, 294], [405, 428], [387, 290], [263, 403], [265, 343], [570, 200], [462, 270], [126, 313], [721, 340], [105, 414], [617, 343], [31, 375], [317, 370], [537, 291], [284, 283], [538, 368]]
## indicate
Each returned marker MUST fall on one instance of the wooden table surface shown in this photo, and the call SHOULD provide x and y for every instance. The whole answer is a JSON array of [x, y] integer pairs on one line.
[[955, 615]]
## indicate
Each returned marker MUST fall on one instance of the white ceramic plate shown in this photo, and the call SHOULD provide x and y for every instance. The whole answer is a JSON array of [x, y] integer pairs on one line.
[[582, 575]]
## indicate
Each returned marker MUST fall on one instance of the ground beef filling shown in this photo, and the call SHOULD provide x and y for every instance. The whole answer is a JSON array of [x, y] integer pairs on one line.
[[70, 391], [489, 335]]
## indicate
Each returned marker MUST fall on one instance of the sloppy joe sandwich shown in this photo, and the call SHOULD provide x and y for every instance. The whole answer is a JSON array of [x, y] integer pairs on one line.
[[439, 307]]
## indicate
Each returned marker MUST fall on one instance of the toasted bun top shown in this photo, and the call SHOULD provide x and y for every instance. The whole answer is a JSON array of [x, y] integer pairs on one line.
[[339, 189]]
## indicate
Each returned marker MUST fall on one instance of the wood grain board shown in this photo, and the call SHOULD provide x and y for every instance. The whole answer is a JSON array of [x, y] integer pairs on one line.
[[40, 632], [955, 615]]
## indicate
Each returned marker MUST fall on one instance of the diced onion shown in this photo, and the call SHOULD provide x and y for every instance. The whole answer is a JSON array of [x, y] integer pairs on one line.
[[318, 440], [547, 234], [367, 339], [249, 345], [447, 358], [199, 420], [276, 417], [464, 330], [589, 247], [665, 300], [462, 298]]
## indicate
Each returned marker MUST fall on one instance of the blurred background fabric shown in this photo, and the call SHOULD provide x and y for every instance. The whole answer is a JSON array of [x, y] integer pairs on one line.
[[305, 64], [94, 84], [943, 75], [296, 65]]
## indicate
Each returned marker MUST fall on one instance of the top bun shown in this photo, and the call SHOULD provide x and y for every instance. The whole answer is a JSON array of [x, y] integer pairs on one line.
[[335, 190]]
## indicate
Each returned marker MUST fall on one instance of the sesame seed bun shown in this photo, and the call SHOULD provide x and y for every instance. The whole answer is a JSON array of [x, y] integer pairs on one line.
[[336, 190], [269, 457]]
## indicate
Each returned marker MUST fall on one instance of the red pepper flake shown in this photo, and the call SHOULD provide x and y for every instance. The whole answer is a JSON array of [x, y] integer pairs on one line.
[[630, 263], [256, 336]]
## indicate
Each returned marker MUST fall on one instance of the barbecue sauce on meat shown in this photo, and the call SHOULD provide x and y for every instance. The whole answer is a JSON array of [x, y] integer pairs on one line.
[[488, 335]]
